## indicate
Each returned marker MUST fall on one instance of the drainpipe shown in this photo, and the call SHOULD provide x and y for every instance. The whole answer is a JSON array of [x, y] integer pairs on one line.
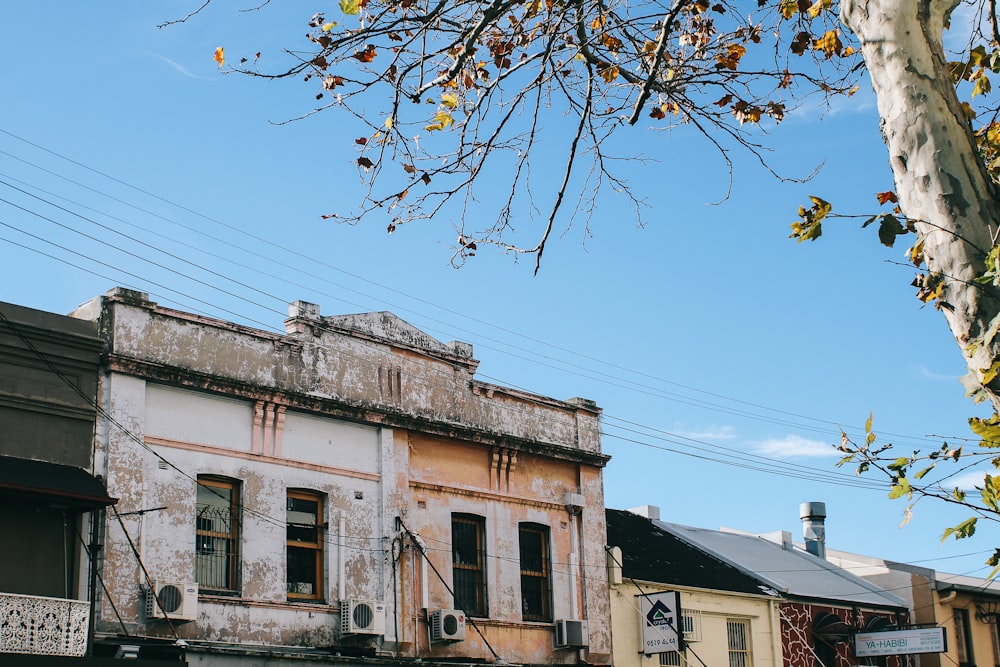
[[93, 552], [341, 567], [575, 503], [813, 517]]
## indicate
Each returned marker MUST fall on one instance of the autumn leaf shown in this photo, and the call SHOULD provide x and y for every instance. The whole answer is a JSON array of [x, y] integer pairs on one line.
[[829, 43], [361, 141], [220, 56], [888, 195], [449, 100], [409, 169], [987, 429], [441, 120], [350, 7], [981, 86], [365, 163], [611, 43], [810, 224], [723, 101], [426, 179], [609, 74], [965, 529], [789, 8], [367, 55], [801, 43], [657, 113], [731, 59], [817, 7], [327, 27], [900, 488], [331, 82]]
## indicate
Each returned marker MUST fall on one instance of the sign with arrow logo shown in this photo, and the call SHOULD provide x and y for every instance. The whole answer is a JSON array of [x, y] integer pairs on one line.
[[661, 622]]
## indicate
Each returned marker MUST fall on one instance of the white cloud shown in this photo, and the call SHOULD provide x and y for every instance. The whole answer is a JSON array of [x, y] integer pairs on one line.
[[928, 374], [180, 68], [710, 433], [966, 481], [794, 445]]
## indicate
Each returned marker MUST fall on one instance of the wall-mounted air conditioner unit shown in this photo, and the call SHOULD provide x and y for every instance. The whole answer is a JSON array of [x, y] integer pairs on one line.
[[177, 601], [362, 617], [447, 625], [571, 633]]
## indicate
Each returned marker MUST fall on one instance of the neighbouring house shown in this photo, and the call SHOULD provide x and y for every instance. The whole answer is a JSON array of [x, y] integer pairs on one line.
[[51, 502], [820, 607], [968, 608], [346, 491], [728, 617]]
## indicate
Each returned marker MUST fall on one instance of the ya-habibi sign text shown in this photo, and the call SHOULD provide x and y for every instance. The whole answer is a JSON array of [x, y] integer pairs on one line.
[[661, 620], [900, 642]]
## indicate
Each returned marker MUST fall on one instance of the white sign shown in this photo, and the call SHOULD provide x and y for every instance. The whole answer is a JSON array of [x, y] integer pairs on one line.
[[661, 620], [899, 642]]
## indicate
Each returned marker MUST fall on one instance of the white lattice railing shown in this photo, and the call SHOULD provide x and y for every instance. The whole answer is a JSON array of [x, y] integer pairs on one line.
[[43, 626]]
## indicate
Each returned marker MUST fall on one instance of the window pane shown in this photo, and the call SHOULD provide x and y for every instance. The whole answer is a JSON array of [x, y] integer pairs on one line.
[[304, 545], [535, 585], [303, 522], [302, 571], [216, 534], [465, 543], [670, 659], [738, 632], [469, 564]]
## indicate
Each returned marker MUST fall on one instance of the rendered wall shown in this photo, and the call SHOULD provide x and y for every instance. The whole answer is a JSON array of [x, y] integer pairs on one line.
[[715, 607], [396, 434]]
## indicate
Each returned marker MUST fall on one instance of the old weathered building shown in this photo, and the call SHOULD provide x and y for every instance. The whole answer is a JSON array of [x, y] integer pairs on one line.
[[50, 502], [344, 491]]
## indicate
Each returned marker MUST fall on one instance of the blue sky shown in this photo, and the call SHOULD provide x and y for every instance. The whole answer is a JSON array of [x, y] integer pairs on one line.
[[708, 336]]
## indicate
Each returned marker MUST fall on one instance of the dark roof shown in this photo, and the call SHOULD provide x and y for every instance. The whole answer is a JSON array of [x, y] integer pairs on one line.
[[652, 554], [51, 484]]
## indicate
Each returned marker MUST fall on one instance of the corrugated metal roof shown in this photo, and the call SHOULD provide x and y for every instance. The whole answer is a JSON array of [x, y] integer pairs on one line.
[[652, 554], [790, 570]]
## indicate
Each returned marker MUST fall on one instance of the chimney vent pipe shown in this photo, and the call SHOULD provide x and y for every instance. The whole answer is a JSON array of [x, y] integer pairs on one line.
[[813, 517]]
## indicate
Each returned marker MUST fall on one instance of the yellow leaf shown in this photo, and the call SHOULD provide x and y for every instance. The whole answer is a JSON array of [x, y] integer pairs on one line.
[[449, 100], [350, 7], [817, 7], [649, 46], [327, 27], [829, 43], [609, 74], [981, 86], [852, 91], [442, 119], [388, 123], [789, 8], [598, 22], [220, 56]]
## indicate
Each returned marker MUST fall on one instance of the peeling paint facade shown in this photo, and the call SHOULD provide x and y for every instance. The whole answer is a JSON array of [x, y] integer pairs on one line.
[[350, 465]]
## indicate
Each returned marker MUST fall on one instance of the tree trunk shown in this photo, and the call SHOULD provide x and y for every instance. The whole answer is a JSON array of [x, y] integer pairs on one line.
[[939, 176]]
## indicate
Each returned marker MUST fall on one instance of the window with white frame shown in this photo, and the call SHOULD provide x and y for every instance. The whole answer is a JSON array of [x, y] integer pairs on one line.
[[738, 635]]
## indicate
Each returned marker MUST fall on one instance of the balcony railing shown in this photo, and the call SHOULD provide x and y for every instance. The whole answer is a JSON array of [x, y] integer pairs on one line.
[[43, 626]]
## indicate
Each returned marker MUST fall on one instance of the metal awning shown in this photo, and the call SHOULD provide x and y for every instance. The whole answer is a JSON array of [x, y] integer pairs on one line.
[[51, 484]]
